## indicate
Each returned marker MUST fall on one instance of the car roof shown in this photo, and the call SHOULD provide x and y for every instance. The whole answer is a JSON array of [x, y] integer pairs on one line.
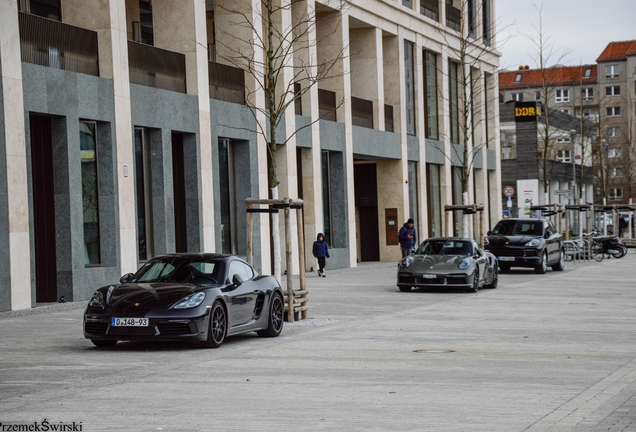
[[195, 255], [451, 238]]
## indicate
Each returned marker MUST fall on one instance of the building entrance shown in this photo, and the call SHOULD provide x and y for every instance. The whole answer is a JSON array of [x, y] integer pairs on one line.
[[366, 191], [43, 208]]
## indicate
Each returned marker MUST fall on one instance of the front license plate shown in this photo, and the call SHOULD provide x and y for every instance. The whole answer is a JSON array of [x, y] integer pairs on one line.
[[506, 258], [129, 322], [427, 276]]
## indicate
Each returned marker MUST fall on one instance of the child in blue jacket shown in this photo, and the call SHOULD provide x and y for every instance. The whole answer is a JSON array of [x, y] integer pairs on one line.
[[321, 252]]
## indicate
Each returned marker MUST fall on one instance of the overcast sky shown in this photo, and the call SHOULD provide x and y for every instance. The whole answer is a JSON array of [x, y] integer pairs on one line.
[[583, 26]]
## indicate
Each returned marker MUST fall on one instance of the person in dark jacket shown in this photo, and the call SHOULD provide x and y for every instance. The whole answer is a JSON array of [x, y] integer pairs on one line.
[[622, 224], [407, 237], [321, 252]]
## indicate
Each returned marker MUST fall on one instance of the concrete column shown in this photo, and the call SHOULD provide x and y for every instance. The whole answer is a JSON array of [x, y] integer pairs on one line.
[[403, 118], [446, 193], [12, 140], [366, 70], [180, 26]]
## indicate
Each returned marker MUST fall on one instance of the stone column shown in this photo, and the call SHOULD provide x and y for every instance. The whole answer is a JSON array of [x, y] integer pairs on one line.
[[14, 186], [180, 26]]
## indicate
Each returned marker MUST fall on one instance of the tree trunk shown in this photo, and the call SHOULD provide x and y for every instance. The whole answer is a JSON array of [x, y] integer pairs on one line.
[[276, 239], [465, 217]]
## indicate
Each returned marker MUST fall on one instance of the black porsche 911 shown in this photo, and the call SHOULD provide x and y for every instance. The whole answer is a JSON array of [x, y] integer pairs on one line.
[[186, 297]]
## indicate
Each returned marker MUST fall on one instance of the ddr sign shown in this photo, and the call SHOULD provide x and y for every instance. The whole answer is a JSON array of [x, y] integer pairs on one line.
[[508, 191]]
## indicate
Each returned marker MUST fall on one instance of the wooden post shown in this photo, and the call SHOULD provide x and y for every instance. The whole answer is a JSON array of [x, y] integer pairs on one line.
[[288, 256], [249, 251], [301, 256]]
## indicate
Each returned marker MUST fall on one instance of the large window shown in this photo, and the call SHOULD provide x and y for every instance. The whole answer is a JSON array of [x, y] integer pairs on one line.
[[612, 132], [414, 202], [430, 86], [587, 94], [562, 95], [453, 99], [434, 202], [563, 156], [612, 90], [90, 193], [614, 153], [613, 111], [516, 97], [611, 71], [228, 197], [50, 9], [143, 195], [615, 194], [409, 82], [325, 169], [486, 21]]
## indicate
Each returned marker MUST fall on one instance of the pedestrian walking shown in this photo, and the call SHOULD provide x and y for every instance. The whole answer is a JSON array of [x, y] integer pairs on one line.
[[622, 224], [407, 237], [321, 252]]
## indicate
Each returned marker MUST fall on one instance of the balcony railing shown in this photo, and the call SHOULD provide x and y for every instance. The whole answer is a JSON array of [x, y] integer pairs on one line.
[[155, 67], [327, 105], [453, 17], [388, 118], [430, 8], [362, 112], [227, 83], [54, 44]]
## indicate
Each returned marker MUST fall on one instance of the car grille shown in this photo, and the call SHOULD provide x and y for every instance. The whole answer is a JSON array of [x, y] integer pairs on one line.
[[514, 251], [95, 327], [174, 329], [132, 331], [439, 280]]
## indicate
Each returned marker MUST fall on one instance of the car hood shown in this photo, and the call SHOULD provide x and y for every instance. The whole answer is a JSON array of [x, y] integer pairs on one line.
[[516, 240], [146, 296], [436, 263]]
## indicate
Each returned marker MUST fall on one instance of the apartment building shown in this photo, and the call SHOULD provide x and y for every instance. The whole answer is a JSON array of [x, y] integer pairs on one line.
[[127, 131], [617, 89]]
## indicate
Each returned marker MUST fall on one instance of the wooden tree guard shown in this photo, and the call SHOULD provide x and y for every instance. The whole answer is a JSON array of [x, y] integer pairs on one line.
[[295, 301]]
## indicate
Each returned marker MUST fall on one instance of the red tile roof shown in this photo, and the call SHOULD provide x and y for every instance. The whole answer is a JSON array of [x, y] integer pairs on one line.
[[564, 75], [618, 51]]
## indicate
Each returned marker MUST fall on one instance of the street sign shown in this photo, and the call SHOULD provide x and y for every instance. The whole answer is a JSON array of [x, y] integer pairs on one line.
[[508, 191], [563, 192]]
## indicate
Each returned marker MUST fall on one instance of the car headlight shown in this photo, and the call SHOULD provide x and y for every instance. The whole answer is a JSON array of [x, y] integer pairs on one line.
[[406, 261], [463, 265], [97, 301], [534, 242], [193, 300]]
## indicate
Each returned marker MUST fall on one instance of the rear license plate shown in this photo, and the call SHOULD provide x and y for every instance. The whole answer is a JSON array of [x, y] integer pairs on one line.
[[427, 276], [506, 258], [129, 322]]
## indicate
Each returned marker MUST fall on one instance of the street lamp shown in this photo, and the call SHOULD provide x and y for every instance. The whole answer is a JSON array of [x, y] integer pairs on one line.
[[572, 133]]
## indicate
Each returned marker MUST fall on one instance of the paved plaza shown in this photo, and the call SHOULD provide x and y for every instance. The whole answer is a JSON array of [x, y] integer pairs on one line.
[[554, 352]]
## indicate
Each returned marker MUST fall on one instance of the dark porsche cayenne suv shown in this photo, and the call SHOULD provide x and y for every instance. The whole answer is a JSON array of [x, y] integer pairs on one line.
[[533, 243]]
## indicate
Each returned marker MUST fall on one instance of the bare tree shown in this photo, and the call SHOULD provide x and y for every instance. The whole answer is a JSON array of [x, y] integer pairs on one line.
[[469, 89], [274, 45], [546, 53]]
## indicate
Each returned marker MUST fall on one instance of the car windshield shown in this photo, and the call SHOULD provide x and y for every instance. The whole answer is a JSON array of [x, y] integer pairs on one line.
[[180, 270], [516, 227], [445, 247]]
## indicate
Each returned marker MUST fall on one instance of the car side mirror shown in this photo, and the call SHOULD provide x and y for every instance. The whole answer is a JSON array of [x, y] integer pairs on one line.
[[237, 281], [126, 278], [489, 233], [548, 234]]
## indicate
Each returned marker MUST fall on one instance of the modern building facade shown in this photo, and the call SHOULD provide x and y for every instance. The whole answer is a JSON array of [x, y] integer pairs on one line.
[[125, 133], [533, 179]]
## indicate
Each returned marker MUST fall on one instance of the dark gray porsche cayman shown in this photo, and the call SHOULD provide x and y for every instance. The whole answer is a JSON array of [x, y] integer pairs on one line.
[[448, 262], [187, 297]]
